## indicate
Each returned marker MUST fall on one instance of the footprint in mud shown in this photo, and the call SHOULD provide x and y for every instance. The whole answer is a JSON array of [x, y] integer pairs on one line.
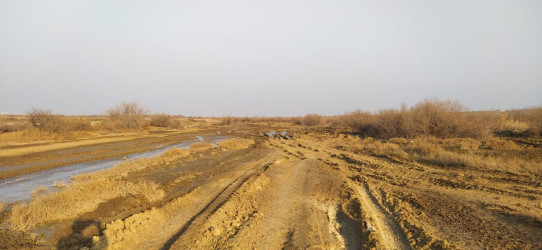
[[85, 234]]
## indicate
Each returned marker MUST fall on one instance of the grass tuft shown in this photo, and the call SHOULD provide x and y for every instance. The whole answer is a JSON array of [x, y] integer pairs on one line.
[[235, 144]]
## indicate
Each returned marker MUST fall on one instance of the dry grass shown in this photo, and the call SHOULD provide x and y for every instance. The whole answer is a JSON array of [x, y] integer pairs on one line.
[[79, 198], [148, 190], [501, 144], [491, 154], [88, 190], [513, 127], [202, 146], [175, 153], [235, 144], [60, 184], [34, 135]]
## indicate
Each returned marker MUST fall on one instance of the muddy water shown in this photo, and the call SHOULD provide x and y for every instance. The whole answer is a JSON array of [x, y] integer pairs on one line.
[[19, 188]]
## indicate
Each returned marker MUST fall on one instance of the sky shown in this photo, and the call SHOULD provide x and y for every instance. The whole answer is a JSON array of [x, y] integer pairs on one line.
[[268, 58]]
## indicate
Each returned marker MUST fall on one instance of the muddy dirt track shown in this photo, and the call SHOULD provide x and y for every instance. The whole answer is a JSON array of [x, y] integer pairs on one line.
[[308, 193]]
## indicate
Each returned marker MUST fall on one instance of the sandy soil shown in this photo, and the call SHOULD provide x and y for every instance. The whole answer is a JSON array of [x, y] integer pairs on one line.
[[307, 193]]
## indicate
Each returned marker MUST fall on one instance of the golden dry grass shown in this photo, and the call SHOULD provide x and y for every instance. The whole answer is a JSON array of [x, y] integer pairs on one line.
[[514, 126], [88, 190], [79, 198], [34, 135], [91, 139], [60, 184], [490, 154], [235, 144], [202, 146]]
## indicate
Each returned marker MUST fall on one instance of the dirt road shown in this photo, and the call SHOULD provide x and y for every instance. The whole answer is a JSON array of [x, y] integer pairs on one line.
[[308, 193]]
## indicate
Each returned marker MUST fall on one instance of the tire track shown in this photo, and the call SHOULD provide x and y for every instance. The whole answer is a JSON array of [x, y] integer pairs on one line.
[[390, 235]]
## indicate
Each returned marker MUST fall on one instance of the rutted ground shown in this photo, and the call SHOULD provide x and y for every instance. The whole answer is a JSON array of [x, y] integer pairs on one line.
[[308, 192]]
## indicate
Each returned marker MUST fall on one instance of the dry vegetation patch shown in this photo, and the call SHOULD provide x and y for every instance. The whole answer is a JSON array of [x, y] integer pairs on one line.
[[202, 146], [490, 154], [235, 144], [88, 190], [79, 198]]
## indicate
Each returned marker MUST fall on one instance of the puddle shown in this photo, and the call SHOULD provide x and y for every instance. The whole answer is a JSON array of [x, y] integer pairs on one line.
[[19, 188]]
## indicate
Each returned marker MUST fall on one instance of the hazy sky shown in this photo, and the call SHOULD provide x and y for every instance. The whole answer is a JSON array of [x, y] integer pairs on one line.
[[287, 58]]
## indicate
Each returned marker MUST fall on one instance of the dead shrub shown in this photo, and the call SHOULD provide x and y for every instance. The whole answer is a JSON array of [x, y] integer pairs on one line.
[[175, 124], [127, 115], [75, 124], [297, 121], [161, 120], [312, 120], [432, 117], [228, 120], [47, 121], [41, 118]]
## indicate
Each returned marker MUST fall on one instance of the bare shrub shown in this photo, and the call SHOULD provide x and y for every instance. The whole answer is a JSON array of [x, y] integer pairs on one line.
[[312, 120], [47, 121], [361, 122], [297, 121], [161, 120], [41, 118], [128, 115], [228, 120], [74, 124], [441, 119], [175, 123], [392, 123]]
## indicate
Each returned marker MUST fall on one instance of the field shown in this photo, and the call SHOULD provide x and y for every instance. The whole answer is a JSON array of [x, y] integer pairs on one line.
[[316, 186]]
